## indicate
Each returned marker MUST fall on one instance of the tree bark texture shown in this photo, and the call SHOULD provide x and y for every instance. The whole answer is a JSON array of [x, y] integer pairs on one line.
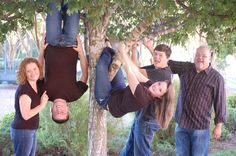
[[97, 126], [132, 36]]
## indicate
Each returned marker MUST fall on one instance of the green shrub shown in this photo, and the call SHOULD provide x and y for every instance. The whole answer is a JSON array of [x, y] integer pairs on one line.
[[231, 119], [69, 138], [6, 147], [225, 133], [227, 152], [231, 101], [164, 141], [163, 148], [166, 135], [118, 132]]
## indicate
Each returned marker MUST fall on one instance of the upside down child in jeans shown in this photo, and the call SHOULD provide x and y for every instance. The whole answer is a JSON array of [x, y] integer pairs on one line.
[[120, 99]]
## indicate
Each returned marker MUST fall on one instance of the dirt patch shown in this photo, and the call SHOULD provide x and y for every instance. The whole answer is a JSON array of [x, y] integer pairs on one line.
[[224, 145], [7, 94]]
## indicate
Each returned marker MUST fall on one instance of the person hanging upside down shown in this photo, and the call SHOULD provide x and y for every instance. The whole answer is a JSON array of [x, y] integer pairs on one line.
[[120, 99], [59, 55]]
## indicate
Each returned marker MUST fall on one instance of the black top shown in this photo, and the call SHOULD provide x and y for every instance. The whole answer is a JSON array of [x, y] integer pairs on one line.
[[19, 122], [155, 74], [123, 101], [60, 74]]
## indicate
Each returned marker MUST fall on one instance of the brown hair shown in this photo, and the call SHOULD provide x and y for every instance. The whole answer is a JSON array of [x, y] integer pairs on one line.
[[165, 108], [61, 121], [21, 73], [164, 48]]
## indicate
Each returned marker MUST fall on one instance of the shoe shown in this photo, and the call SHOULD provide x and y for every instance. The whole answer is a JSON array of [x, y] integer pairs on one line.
[[114, 66]]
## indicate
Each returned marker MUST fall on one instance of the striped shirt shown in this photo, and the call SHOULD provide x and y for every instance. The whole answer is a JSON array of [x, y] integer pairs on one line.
[[199, 93]]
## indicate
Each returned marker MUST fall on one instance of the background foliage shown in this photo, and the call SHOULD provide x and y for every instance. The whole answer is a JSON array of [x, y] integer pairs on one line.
[[213, 20]]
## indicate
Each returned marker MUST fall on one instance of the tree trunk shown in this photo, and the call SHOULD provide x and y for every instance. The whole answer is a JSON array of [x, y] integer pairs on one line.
[[97, 126]]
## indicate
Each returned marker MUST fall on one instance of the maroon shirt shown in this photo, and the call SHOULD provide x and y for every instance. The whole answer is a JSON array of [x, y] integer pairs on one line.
[[60, 74], [123, 101]]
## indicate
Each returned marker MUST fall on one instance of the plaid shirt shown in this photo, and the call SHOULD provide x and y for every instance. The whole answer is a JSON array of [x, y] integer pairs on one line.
[[197, 94]]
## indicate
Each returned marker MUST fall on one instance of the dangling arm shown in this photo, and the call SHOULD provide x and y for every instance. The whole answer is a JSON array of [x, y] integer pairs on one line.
[[132, 79], [83, 61], [132, 71], [41, 52], [134, 68], [134, 58]]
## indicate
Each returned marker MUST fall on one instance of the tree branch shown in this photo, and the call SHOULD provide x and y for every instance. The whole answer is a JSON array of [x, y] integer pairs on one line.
[[132, 36], [137, 31], [164, 31], [191, 10], [107, 15]]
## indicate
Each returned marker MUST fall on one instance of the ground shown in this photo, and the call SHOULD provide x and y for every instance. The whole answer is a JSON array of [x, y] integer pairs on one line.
[[7, 93], [224, 145]]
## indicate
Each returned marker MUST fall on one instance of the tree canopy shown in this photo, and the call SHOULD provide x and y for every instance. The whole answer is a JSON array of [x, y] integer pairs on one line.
[[173, 21]]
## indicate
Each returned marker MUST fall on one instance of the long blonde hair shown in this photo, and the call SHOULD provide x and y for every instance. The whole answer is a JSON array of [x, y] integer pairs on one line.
[[165, 108], [21, 73]]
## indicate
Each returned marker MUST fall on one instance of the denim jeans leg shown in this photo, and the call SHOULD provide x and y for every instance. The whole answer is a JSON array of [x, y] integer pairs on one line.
[[71, 29], [182, 141], [144, 133], [34, 145], [128, 149], [24, 141], [118, 81], [140, 139], [53, 25], [200, 142], [102, 83]]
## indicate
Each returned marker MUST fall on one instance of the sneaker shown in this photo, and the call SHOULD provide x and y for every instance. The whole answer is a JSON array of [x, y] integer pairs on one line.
[[114, 66]]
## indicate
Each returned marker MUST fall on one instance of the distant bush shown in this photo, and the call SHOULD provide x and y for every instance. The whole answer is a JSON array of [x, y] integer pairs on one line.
[[231, 119], [117, 132], [225, 133], [164, 148], [6, 147], [231, 101], [69, 138], [227, 152], [166, 135]]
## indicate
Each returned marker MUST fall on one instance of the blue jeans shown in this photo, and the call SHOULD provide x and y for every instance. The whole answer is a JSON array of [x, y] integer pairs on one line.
[[191, 142], [103, 87], [140, 138], [58, 35], [24, 141]]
